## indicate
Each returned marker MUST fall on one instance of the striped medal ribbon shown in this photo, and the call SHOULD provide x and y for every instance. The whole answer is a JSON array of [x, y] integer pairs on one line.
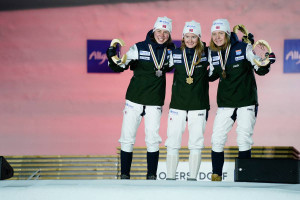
[[158, 66], [221, 60], [189, 71]]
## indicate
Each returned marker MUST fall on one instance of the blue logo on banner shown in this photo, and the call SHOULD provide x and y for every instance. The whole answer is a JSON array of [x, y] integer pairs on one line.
[[96, 56], [291, 56]]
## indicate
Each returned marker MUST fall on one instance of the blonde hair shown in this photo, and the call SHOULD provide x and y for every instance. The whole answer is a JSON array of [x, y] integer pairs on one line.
[[199, 47], [214, 47]]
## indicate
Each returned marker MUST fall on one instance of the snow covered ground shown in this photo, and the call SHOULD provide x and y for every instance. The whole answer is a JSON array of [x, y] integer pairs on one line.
[[144, 190]]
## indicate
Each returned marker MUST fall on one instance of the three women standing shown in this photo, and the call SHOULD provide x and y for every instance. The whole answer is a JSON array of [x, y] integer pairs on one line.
[[230, 61]]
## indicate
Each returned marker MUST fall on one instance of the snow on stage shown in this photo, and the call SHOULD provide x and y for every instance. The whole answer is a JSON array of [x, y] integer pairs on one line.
[[144, 190]]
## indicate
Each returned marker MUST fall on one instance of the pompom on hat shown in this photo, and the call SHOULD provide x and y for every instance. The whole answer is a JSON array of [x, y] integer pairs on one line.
[[192, 27], [163, 23], [221, 25]]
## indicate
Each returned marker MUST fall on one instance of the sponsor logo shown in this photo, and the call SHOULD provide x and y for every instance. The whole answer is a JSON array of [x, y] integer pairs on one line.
[[291, 57], [218, 23], [217, 27], [203, 59], [164, 21], [216, 63], [173, 112], [191, 26], [129, 106], [144, 58], [145, 53], [214, 58], [177, 61], [294, 56], [164, 26], [201, 176], [238, 52], [234, 66], [239, 58], [96, 57], [198, 66], [177, 56], [191, 30]]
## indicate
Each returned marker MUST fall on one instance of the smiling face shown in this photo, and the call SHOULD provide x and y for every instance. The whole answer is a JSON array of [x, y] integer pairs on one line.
[[190, 40], [161, 36], [218, 38]]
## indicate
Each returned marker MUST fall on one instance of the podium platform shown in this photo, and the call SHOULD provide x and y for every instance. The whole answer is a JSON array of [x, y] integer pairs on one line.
[[93, 167]]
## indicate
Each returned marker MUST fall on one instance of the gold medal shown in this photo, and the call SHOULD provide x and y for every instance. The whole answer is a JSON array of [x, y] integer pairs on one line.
[[224, 74], [188, 70], [189, 80]]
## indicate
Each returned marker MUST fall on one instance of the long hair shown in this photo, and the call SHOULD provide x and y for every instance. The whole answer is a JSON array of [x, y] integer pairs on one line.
[[199, 47], [214, 47]]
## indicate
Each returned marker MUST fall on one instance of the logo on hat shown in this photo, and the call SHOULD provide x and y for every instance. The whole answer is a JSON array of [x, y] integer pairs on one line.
[[164, 26], [191, 30], [217, 27], [164, 21]]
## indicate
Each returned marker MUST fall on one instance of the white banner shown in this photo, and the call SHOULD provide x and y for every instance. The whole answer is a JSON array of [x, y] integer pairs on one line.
[[204, 174]]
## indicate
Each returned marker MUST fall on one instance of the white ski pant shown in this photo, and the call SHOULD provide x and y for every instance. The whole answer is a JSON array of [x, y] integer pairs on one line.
[[177, 121], [225, 118], [132, 116]]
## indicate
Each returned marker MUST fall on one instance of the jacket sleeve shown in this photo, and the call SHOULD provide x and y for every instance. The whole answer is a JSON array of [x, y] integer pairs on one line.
[[212, 74], [250, 57]]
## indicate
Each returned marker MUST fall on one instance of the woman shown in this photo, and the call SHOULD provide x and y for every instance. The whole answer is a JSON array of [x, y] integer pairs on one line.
[[189, 101], [232, 61], [145, 94]]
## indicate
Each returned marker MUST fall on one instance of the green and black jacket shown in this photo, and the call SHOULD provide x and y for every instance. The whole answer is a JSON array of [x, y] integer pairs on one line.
[[239, 88], [192, 96]]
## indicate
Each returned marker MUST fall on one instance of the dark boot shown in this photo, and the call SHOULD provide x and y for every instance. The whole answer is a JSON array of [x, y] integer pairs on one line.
[[152, 162], [126, 160], [245, 154], [217, 159]]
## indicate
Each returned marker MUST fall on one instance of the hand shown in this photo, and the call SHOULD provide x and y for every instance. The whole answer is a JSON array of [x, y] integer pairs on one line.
[[111, 51], [250, 37], [272, 58]]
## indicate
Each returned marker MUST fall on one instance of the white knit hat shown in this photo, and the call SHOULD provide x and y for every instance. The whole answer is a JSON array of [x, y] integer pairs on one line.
[[192, 27], [221, 25], [163, 23]]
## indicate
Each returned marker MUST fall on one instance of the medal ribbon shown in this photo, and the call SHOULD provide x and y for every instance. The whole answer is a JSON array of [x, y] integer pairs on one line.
[[158, 66], [226, 56], [187, 69]]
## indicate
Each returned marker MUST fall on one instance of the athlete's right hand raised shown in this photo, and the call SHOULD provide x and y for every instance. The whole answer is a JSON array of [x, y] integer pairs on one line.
[[111, 51]]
